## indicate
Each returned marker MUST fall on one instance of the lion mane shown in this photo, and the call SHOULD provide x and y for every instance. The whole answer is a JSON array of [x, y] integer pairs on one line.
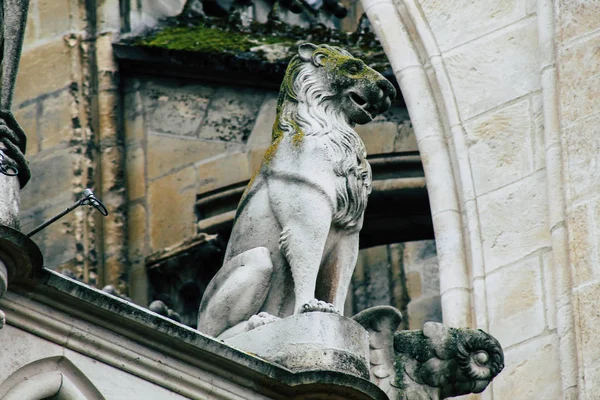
[[305, 109]]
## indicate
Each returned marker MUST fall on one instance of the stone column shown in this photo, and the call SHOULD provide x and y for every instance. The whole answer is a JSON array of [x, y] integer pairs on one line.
[[18, 254]]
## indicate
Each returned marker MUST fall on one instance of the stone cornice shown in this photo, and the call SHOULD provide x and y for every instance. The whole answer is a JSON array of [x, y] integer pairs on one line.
[[159, 350]]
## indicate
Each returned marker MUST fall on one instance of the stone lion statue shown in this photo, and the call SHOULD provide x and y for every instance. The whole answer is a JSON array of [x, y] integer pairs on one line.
[[433, 364], [295, 236]]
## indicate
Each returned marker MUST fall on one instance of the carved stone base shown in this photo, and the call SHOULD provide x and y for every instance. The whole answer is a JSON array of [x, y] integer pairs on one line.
[[313, 341]]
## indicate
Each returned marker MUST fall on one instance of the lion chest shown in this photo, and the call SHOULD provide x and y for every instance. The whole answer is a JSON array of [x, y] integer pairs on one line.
[[341, 173]]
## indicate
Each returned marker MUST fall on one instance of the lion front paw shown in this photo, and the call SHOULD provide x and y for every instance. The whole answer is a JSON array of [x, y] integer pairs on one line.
[[320, 306], [260, 319]]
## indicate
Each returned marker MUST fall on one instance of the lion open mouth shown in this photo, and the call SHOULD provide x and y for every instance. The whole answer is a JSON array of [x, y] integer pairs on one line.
[[361, 103]]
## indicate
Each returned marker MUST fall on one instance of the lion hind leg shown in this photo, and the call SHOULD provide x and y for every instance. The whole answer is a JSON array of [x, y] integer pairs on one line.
[[336, 273], [237, 292]]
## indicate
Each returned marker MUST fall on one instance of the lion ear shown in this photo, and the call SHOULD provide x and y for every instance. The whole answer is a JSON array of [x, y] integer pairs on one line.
[[306, 50]]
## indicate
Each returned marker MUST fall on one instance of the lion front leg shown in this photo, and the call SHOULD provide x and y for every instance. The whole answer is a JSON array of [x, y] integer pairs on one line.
[[304, 214]]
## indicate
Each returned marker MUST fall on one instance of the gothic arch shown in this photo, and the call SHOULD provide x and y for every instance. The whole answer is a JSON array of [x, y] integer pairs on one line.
[[54, 377]]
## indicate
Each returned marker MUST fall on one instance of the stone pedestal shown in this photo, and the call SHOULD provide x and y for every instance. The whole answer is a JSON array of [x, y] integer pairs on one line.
[[313, 341]]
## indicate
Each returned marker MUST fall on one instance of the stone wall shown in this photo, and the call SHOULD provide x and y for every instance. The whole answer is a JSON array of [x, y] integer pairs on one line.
[[404, 275], [55, 105], [577, 66]]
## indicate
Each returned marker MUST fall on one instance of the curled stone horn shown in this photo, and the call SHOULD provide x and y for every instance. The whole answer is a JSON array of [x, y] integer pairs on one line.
[[436, 363]]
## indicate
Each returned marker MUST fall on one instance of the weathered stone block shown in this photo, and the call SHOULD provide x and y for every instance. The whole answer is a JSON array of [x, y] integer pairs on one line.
[[27, 118], [120, 381], [588, 317], [539, 145], [174, 107], [263, 126], [133, 112], [582, 163], [55, 122], [310, 342], [515, 301], [54, 17], [531, 371], [376, 267], [405, 138], [549, 284], [577, 18], [167, 153], [138, 283], [136, 231], [31, 29], [135, 164], [430, 276], [413, 285], [479, 71], [514, 221], [500, 146], [424, 310], [231, 114], [379, 137], [53, 58], [579, 87], [171, 207], [255, 158], [452, 21], [580, 244], [22, 347], [416, 252], [221, 171], [51, 176]]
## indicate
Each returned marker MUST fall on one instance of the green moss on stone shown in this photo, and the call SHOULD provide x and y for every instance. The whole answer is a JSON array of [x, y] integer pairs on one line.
[[206, 39], [215, 36]]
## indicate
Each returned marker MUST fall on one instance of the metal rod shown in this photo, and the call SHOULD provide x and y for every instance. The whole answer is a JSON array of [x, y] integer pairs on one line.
[[89, 200], [53, 219]]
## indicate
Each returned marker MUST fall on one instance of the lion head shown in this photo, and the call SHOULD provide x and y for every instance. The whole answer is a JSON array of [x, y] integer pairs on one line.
[[331, 78]]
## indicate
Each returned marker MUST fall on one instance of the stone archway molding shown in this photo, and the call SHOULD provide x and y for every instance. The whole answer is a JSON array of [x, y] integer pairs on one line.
[[54, 377], [417, 63], [407, 42]]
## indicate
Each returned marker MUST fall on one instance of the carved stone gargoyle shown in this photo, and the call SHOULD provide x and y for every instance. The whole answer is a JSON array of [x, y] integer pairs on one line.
[[433, 364]]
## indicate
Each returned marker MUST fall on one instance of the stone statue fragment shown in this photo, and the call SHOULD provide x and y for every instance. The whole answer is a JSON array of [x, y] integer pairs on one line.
[[13, 18], [433, 364], [294, 243]]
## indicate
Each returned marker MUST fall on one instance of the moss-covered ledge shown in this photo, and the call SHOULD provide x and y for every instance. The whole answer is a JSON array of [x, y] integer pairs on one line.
[[216, 50], [133, 339]]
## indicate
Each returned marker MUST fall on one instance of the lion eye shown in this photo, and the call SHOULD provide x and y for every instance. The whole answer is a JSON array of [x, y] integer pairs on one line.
[[481, 357], [354, 69]]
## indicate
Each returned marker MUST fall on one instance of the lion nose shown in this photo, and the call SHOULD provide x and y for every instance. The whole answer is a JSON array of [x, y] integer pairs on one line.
[[387, 88]]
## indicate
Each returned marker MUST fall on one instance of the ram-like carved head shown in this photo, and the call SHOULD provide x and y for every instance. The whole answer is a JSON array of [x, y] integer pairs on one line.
[[457, 361], [433, 364]]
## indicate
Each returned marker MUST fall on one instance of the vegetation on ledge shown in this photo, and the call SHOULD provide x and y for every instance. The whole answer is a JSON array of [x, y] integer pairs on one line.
[[273, 42]]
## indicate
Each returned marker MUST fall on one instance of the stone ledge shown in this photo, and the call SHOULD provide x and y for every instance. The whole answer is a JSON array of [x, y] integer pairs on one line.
[[83, 310]]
